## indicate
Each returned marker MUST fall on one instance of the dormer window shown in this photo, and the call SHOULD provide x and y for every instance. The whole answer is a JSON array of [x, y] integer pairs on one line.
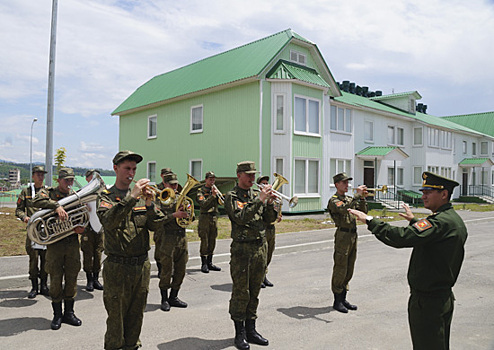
[[298, 57]]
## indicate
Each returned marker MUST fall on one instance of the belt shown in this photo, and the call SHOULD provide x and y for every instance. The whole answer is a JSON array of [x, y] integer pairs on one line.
[[130, 260], [209, 213], [179, 232], [258, 241], [435, 293], [347, 229]]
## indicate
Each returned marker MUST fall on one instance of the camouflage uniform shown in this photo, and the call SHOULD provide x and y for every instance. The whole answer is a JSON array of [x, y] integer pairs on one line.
[[92, 247], [208, 220], [62, 257], [438, 250], [345, 238], [25, 209], [126, 270], [248, 216]]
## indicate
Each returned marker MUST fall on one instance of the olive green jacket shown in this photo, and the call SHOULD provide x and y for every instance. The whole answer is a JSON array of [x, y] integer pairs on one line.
[[438, 247], [25, 205], [338, 209], [207, 202]]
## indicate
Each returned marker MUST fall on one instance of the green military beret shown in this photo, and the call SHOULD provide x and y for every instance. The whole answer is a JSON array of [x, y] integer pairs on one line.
[[246, 167], [341, 177], [123, 155], [39, 169], [436, 182], [66, 173]]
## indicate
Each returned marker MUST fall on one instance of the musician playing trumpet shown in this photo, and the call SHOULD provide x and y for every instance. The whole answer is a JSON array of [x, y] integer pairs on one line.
[[63, 261], [208, 197], [345, 238]]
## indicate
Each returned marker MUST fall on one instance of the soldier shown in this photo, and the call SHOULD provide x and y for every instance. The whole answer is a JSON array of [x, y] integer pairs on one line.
[[157, 235], [438, 250], [345, 238], [126, 218], [173, 251], [207, 197], [270, 235], [24, 211], [249, 211], [63, 261], [92, 247]]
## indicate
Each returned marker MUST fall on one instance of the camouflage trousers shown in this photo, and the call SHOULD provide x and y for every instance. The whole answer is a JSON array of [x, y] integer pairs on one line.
[[208, 231], [429, 318], [173, 255], [125, 297], [92, 247], [157, 243], [270, 239], [36, 271], [345, 254], [247, 269], [63, 262]]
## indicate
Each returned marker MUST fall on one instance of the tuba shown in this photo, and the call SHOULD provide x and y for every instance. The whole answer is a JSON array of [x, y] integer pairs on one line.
[[44, 227], [186, 202]]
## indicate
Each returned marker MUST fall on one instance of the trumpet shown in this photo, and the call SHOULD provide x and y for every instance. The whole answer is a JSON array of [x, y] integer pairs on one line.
[[292, 202], [372, 191], [221, 198], [165, 196]]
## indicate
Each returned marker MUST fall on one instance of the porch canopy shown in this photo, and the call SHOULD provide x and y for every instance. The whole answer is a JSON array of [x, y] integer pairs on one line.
[[382, 153], [476, 162]]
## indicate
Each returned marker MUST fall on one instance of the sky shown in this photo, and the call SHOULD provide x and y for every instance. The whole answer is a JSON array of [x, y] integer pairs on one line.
[[106, 49]]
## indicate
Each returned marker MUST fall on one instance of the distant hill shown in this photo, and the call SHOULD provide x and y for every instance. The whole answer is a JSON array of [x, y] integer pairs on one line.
[[5, 166]]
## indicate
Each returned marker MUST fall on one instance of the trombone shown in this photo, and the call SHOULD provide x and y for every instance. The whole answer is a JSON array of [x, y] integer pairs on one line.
[[292, 202], [221, 198]]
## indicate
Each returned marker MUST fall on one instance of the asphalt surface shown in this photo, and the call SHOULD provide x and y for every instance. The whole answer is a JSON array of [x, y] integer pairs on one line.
[[294, 314]]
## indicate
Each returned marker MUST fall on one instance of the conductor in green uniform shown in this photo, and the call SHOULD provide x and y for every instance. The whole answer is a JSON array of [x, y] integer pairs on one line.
[[249, 211], [345, 238], [438, 250]]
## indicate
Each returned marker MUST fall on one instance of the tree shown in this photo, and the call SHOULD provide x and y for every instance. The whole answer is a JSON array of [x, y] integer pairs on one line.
[[60, 157]]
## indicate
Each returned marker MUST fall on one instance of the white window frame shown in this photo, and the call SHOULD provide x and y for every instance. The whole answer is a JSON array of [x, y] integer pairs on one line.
[[347, 119], [275, 114], [421, 136], [192, 131], [419, 178], [152, 119], [277, 170], [306, 132], [400, 174], [396, 131], [433, 137], [340, 165], [149, 173], [371, 138], [446, 139], [190, 168], [484, 146], [474, 148], [465, 147], [300, 58], [306, 192]]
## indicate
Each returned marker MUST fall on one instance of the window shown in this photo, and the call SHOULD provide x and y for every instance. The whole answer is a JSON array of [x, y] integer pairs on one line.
[[337, 166], [306, 115], [417, 175], [278, 166], [400, 134], [196, 119], [464, 147], [368, 131], [417, 137], [399, 176], [298, 57], [341, 119], [279, 123], [433, 169], [391, 135], [474, 149], [196, 168], [446, 139], [307, 176], [446, 172], [484, 148], [151, 175], [152, 126], [433, 136]]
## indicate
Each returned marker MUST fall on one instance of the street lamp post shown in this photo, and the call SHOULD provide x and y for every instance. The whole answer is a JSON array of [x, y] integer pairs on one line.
[[31, 148]]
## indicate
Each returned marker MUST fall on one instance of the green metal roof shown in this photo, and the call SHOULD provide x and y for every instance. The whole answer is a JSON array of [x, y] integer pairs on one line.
[[375, 151], [475, 161], [240, 63], [289, 70], [482, 122]]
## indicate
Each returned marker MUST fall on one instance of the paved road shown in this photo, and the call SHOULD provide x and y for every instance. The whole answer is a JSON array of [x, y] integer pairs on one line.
[[295, 314]]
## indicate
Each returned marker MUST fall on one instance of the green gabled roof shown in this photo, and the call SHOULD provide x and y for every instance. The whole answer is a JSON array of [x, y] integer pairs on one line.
[[415, 94], [475, 161], [482, 122], [240, 63], [375, 151], [289, 70]]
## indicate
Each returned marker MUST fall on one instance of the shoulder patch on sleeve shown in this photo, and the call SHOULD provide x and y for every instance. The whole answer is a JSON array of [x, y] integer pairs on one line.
[[422, 225], [339, 204], [104, 204], [240, 205], [201, 197]]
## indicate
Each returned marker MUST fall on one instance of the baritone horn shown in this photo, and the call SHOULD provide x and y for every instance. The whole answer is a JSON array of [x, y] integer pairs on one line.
[[186, 202]]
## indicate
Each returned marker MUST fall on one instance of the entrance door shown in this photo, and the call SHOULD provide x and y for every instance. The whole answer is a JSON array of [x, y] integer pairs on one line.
[[369, 177], [464, 189]]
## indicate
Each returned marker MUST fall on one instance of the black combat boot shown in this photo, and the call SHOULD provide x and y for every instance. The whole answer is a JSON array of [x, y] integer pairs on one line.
[[68, 314], [56, 323], [252, 335], [204, 264], [240, 338], [96, 283], [174, 301], [211, 266], [89, 285], [44, 290], [338, 303], [267, 282], [164, 300], [346, 303], [34, 289]]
